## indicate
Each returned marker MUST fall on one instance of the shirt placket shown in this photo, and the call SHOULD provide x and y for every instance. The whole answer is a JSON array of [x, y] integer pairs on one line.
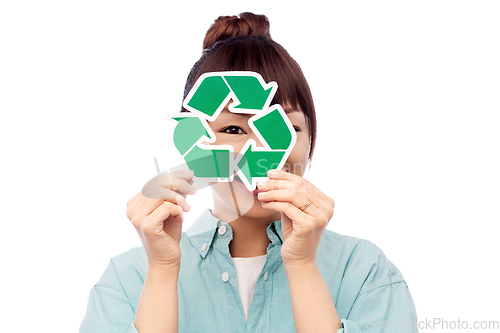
[[259, 314], [235, 316]]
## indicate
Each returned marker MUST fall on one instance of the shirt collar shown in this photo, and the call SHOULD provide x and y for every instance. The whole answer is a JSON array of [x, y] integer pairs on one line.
[[201, 233]]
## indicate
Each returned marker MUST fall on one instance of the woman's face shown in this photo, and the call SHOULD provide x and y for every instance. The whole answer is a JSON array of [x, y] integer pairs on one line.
[[232, 129]]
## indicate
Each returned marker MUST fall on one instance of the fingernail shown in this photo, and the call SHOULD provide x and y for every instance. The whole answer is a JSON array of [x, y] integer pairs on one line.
[[260, 195], [261, 185], [272, 173], [188, 172]]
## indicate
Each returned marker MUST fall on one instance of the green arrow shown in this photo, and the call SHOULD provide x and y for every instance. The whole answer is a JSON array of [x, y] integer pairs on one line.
[[208, 163], [187, 132], [249, 92], [255, 163], [209, 95], [274, 130]]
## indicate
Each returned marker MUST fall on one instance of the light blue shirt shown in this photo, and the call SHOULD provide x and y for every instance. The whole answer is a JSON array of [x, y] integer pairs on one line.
[[368, 291]]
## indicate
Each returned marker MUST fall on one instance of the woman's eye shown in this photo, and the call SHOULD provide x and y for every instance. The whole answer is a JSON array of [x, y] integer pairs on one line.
[[296, 129], [233, 130]]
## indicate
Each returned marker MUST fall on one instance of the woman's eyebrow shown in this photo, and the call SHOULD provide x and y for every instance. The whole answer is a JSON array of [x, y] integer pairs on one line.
[[230, 114], [251, 114]]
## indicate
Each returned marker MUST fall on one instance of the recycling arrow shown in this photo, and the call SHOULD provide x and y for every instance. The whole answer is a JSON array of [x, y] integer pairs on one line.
[[249, 94], [188, 132], [249, 91], [207, 161], [212, 91], [262, 161]]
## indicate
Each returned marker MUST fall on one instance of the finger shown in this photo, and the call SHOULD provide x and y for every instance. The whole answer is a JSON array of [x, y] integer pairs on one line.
[[301, 182], [181, 201], [291, 211], [154, 221], [281, 174], [274, 185], [295, 186], [151, 204], [155, 189], [153, 199], [182, 174], [298, 200], [174, 183], [161, 192], [295, 190], [282, 179], [326, 199], [286, 188], [165, 210], [302, 222]]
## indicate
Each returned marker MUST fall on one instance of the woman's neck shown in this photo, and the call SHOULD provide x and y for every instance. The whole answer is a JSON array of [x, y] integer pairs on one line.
[[249, 233]]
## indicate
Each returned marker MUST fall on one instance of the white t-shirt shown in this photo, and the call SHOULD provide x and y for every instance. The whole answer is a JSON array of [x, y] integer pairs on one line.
[[247, 273]]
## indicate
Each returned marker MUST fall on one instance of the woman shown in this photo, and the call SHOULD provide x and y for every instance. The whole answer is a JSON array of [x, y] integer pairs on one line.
[[260, 261]]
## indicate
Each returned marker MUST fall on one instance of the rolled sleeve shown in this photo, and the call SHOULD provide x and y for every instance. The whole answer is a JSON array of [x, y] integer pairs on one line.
[[374, 296], [347, 326], [388, 308]]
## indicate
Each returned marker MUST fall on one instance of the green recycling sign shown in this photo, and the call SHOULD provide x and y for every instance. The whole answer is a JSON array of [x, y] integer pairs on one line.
[[250, 94]]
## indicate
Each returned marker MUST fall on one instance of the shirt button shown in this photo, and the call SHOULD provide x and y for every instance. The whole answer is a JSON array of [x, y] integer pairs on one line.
[[225, 276], [265, 275], [222, 230], [204, 247]]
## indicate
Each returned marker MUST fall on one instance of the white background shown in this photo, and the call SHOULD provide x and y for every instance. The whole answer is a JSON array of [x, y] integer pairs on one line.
[[408, 102]]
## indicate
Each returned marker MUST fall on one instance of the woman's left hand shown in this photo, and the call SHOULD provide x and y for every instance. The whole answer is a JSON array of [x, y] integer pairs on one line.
[[305, 213]]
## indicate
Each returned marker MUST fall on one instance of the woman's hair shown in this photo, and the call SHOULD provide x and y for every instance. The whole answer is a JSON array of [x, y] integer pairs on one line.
[[243, 43]]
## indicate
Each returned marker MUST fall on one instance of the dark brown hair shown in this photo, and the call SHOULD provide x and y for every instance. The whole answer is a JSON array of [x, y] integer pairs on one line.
[[244, 43]]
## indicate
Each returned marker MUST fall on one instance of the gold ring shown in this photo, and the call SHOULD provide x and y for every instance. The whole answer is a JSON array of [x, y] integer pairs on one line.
[[306, 205]]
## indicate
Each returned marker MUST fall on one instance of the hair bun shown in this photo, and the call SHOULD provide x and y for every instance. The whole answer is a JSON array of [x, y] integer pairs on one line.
[[246, 24]]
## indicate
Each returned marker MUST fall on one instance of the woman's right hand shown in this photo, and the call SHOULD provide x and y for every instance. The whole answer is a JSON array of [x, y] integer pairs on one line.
[[157, 214]]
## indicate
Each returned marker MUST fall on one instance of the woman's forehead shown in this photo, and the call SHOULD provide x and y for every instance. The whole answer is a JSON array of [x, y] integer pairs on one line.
[[226, 114]]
